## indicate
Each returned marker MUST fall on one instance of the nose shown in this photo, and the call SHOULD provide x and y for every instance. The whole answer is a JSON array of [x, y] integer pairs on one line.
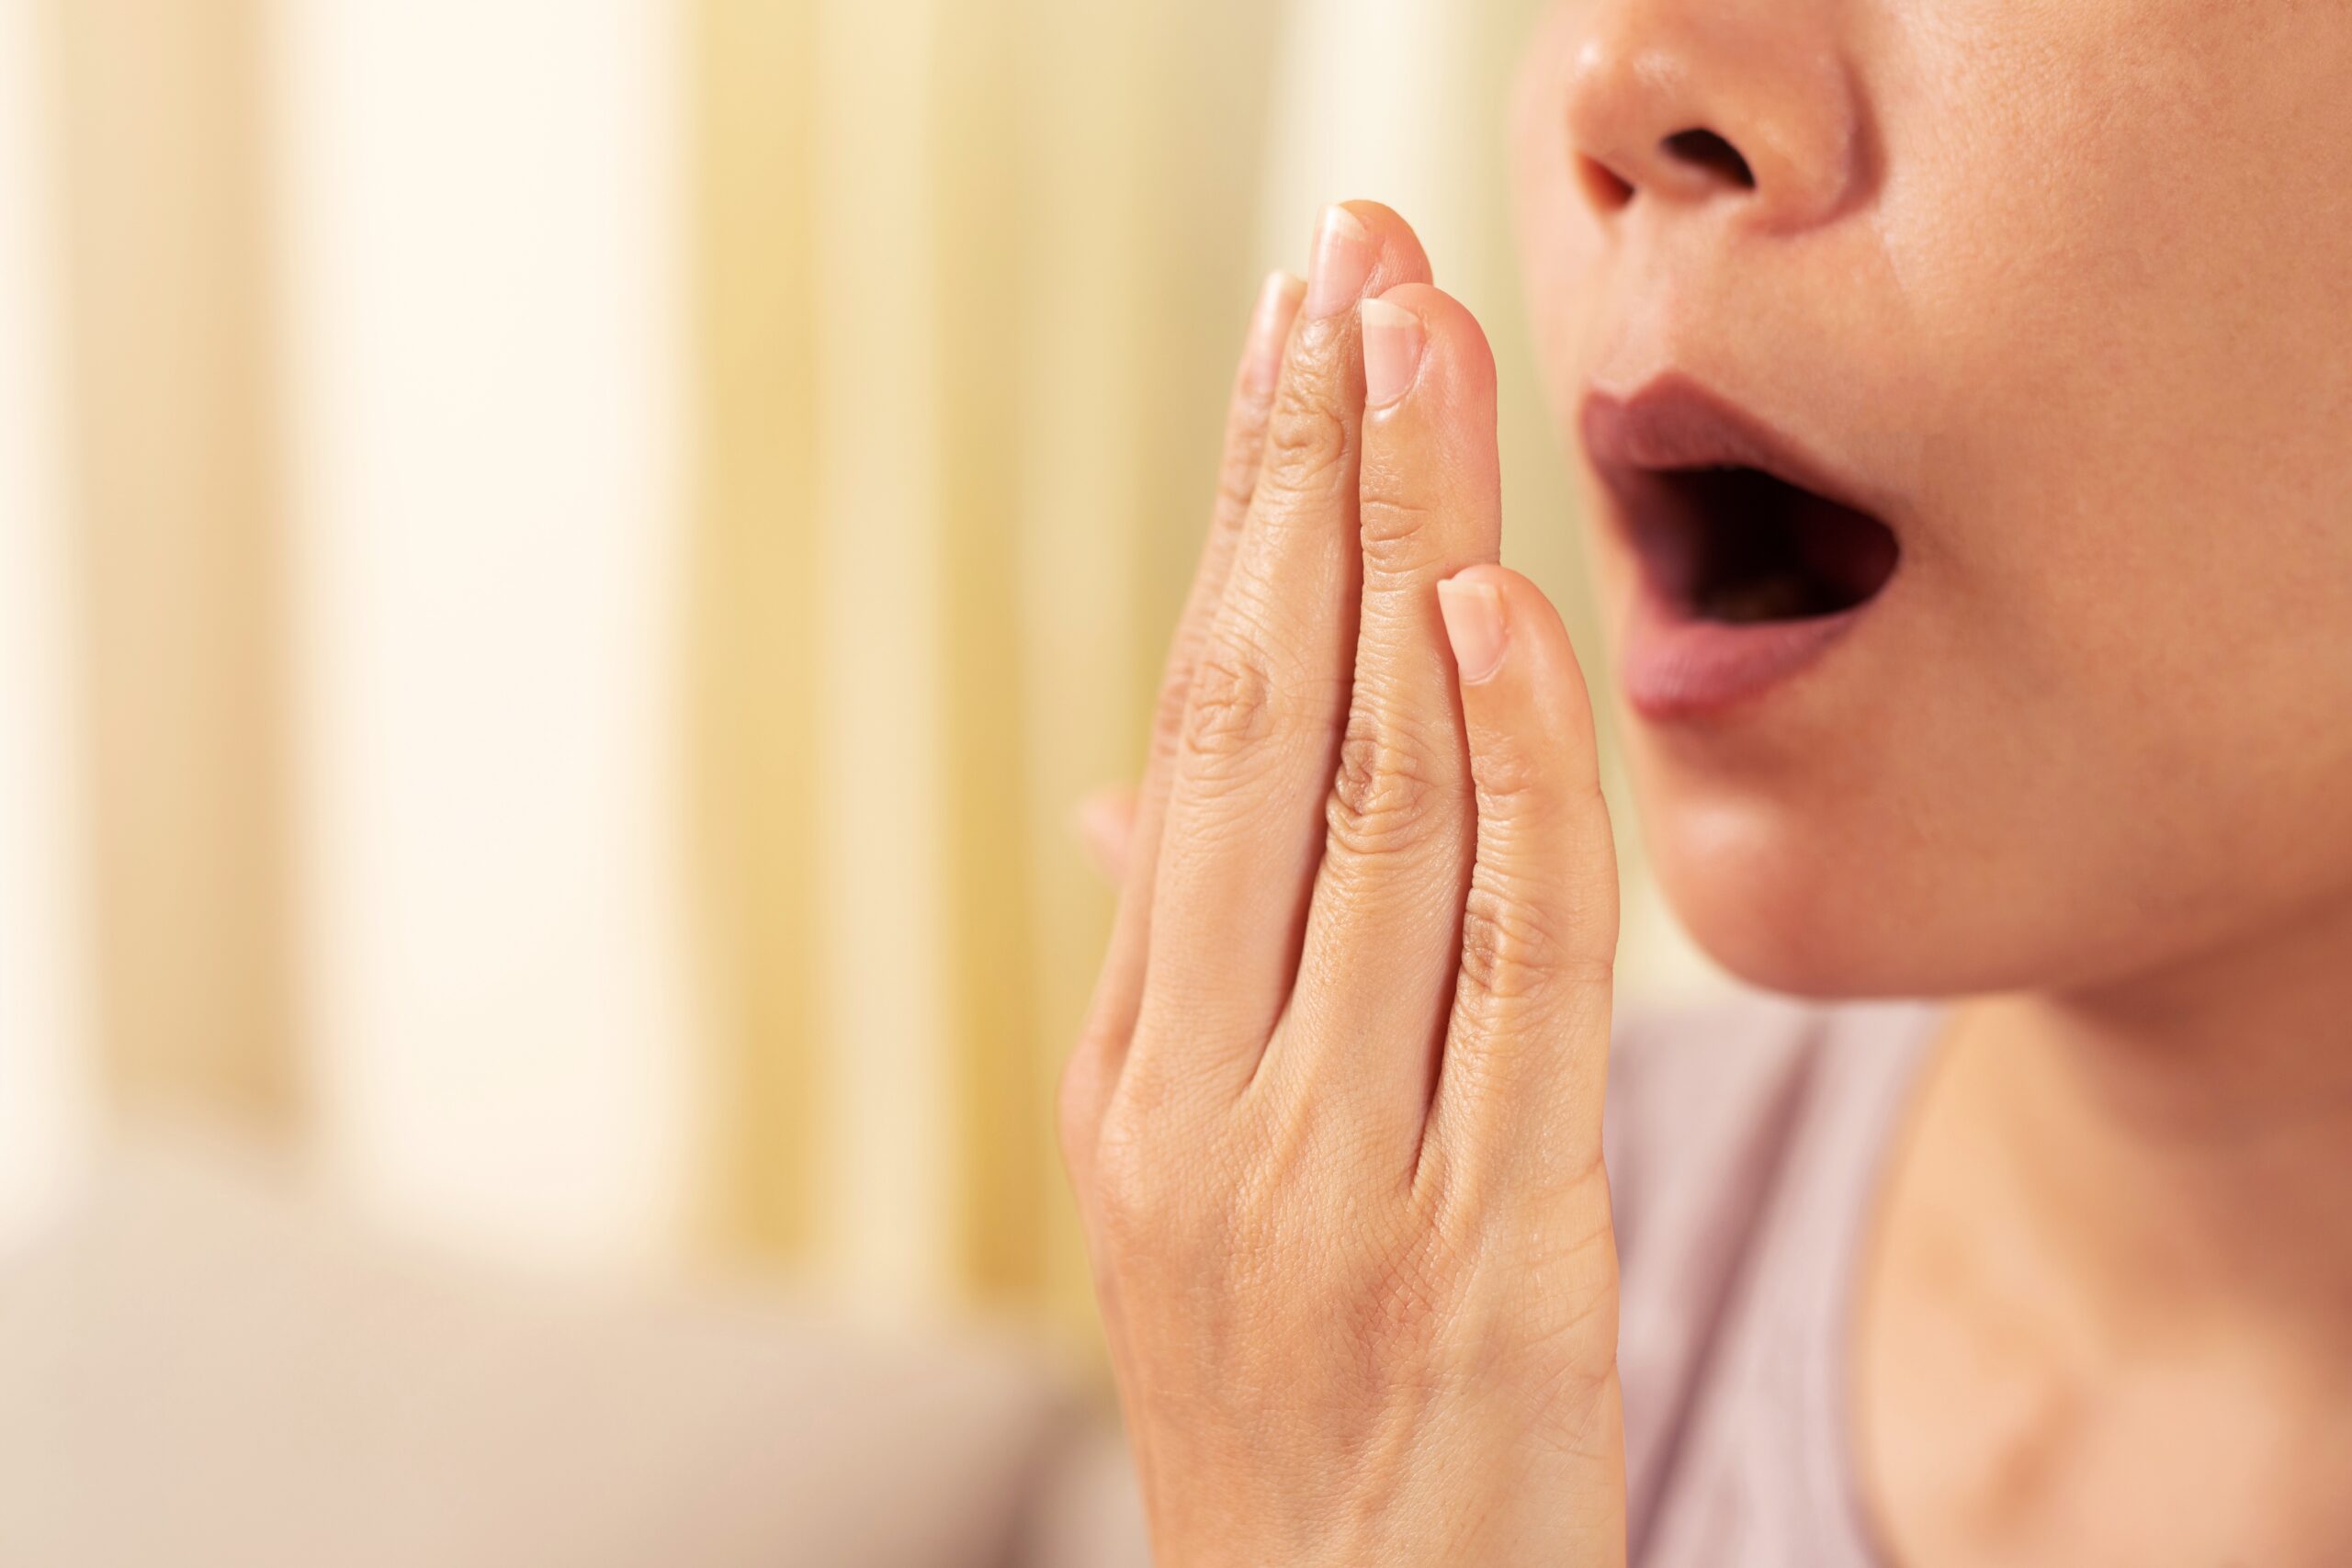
[[1750, 103]]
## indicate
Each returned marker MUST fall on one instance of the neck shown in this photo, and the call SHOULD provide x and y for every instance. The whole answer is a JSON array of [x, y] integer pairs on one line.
[[2185, 1140]]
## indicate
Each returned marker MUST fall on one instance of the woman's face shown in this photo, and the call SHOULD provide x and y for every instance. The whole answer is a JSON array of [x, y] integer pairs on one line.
[[2059, 292]]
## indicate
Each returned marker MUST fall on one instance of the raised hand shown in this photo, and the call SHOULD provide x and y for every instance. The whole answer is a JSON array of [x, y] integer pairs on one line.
[[1335, 1116]]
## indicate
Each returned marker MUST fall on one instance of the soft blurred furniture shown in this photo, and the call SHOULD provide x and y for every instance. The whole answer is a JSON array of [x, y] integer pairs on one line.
[[201, 1368]]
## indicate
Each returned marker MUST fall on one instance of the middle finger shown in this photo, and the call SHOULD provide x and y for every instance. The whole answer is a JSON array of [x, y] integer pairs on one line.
[[1382, 941], [1243, 829]]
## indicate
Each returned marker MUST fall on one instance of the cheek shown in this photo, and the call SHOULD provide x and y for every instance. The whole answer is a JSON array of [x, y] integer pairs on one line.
[[2003, 826], [1561, 243], [2116, 729], [2109, 730], [2122, 241]]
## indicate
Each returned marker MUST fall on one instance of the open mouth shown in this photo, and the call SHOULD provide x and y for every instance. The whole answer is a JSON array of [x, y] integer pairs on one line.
[[1735, 544], [1754, 556]]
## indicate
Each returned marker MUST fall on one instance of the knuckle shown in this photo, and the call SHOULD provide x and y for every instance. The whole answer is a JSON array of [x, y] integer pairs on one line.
[[1130, 1184], [1509, 775], [1399, 527], [1511, 946], [1162, 1202], [1229, 705], [1388, 789], [1307, 445]]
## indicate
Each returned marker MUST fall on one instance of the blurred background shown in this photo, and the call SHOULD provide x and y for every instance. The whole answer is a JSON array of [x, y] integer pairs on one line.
[[563, 563]]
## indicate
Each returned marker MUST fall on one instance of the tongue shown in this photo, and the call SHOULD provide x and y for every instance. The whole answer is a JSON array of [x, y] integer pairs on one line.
[[1775, 596]]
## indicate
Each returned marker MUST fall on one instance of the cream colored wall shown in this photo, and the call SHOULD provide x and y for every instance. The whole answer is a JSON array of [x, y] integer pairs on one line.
[[48, 1076], [482, 254]]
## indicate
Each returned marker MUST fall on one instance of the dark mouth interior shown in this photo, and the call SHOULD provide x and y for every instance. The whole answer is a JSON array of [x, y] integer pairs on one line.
[[1738, 544]]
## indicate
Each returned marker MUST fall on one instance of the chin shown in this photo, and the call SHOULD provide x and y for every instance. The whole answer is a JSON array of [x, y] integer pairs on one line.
[[1801, 903]]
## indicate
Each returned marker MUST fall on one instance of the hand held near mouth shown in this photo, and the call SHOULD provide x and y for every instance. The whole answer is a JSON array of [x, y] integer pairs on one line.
[[1334, 1118]]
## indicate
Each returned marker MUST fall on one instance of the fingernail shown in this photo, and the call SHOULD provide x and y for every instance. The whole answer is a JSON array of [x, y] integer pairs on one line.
[[1343, 258], [1392, 351], [1270, 327], [1473, 624]]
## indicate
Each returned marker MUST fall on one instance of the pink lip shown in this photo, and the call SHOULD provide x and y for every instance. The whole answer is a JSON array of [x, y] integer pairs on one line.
[[1673, 422], [1673, 665]]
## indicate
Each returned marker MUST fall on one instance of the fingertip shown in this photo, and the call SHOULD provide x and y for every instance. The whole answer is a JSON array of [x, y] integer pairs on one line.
[[1534, 635], [1402, 258], [1521, 598], [1458, 348], [1477, 626], [1393, 341], [1529, 721], [1489, 577]]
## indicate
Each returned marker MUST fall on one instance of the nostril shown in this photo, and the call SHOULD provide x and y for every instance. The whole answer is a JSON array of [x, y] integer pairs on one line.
[[1603, 186], [1705, 150]]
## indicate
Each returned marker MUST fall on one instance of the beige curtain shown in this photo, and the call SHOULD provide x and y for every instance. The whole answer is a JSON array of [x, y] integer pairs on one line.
[[167, 390], [973, 276], [970, 281], [966, 280]]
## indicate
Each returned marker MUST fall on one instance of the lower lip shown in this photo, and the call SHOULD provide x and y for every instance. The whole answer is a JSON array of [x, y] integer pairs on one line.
[[1677, 668]]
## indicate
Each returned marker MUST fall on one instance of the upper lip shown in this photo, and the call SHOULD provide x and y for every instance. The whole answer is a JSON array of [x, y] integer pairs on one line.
[[1673, 422]]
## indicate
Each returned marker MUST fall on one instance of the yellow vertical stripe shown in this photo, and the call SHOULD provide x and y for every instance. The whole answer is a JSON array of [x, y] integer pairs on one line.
[[754, 607], [887, 1134], [1001, 348], [1002, 1172], [974, 277], [174, 477]]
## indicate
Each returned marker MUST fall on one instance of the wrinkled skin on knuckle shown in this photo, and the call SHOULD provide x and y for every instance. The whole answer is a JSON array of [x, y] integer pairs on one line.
[[1398, 523], [1391, 789], [1306, 452], [1309, 442], [1230, 705], [1511, 779], [1510, 950]]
